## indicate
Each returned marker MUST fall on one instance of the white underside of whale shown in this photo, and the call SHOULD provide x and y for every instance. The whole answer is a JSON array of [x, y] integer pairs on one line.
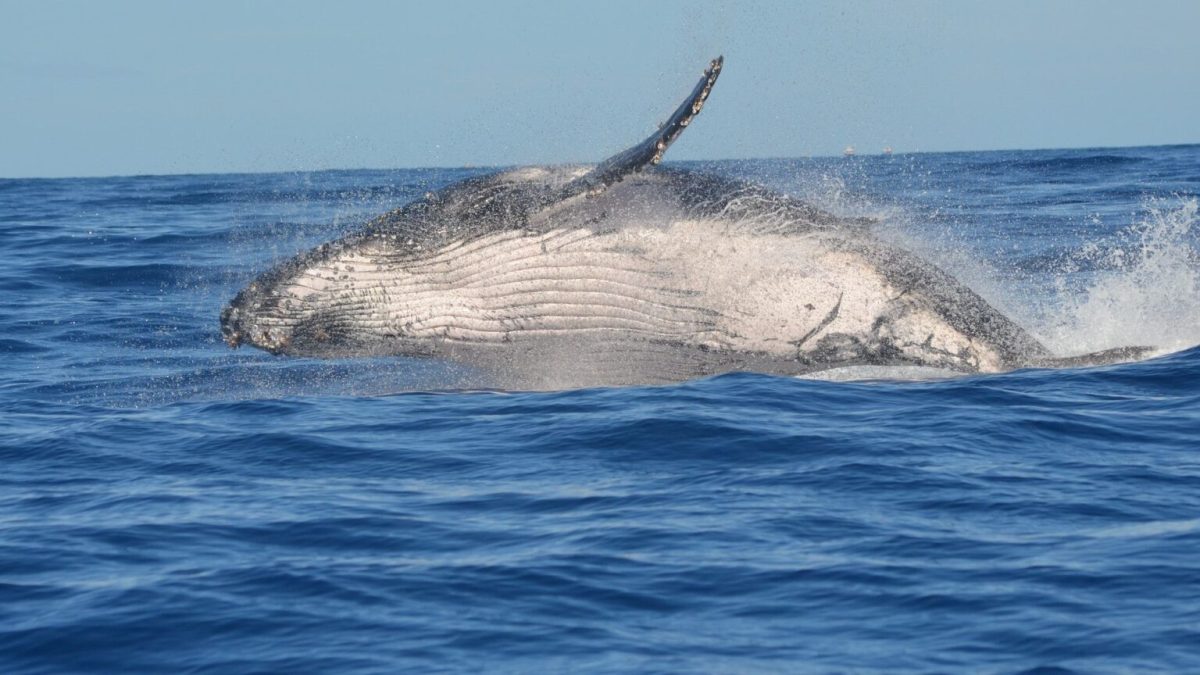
[[693, 284]]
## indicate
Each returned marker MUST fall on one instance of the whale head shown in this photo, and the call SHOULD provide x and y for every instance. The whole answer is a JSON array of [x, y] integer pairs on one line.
[[256, 317], [324, 302], [263, 316]]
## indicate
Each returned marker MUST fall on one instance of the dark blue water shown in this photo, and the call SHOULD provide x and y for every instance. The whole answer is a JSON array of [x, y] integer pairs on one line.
[[169, 505]]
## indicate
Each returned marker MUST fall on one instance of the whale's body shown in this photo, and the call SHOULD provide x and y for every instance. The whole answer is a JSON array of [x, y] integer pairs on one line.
[[624, 273]]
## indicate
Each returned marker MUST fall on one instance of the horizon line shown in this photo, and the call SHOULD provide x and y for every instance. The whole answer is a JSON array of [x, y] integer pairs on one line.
[[856, 156]]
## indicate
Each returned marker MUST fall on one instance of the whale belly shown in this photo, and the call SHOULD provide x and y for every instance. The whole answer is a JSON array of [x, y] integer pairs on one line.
[[633, 304]]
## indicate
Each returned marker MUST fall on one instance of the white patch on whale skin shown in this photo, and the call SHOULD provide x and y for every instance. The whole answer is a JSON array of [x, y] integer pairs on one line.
[[545, 174]]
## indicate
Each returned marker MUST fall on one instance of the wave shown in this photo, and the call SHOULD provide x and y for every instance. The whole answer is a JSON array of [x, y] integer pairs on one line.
[[1082, 163], [152, 275]]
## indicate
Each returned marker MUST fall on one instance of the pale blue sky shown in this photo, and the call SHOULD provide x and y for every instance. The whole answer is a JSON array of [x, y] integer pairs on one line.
[[92, 88]]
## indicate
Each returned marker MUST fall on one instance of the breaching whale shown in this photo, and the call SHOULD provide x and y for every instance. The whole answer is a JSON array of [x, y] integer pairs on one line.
[[627, 272]]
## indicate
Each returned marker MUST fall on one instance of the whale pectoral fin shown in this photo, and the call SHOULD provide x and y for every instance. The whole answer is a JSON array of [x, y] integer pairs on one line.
[[650, 151]]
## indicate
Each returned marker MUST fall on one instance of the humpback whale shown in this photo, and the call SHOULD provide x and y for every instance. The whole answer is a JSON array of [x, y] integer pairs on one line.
[[627, 272]]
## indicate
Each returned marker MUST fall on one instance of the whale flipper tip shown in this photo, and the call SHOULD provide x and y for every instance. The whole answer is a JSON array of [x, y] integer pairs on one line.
[[649, 151]]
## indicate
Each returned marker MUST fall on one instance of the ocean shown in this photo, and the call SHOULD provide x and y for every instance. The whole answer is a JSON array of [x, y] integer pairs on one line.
[[168, 504]]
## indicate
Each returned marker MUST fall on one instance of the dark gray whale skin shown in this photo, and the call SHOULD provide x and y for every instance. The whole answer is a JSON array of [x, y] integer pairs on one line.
[[627, 273]]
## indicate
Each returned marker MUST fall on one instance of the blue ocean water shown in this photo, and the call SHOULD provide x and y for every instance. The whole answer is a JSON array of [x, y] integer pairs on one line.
[[170, 505]]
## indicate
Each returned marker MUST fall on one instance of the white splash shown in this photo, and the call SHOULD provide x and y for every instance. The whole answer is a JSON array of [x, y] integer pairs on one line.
[[1147, 291]]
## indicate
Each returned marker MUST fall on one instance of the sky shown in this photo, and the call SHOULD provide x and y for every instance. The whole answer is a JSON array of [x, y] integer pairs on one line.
[[163, 87]]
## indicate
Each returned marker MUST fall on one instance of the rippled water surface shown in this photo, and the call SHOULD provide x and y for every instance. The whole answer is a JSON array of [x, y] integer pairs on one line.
[[168, 504]]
